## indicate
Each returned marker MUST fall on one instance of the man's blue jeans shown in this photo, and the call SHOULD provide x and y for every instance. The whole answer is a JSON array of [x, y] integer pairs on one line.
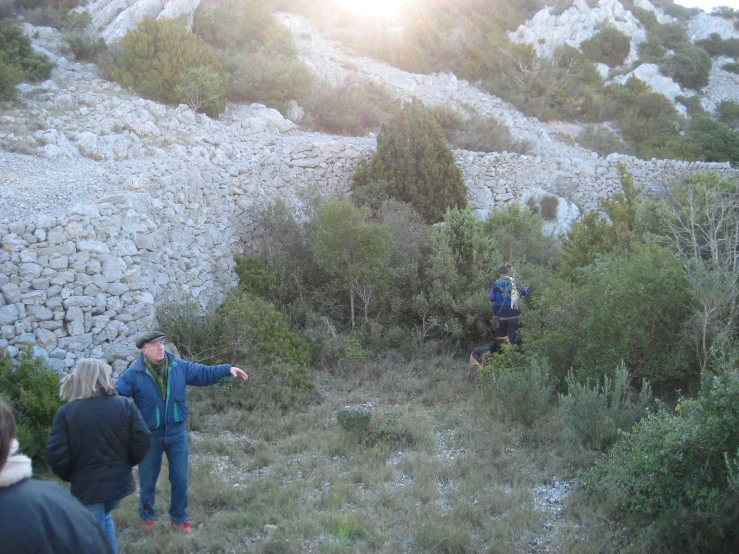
[[175, 446], [105, 520]]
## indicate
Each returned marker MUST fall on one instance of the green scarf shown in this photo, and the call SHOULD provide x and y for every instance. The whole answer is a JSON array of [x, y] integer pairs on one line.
[[159, 372]]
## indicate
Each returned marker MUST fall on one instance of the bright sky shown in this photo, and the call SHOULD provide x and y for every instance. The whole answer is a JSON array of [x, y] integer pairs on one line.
[[708, 5]]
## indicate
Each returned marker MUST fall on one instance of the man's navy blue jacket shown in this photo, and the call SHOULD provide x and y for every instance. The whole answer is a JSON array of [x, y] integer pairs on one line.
[[167, 414]]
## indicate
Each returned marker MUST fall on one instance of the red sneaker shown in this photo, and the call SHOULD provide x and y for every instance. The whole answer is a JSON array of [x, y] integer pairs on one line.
[[184, 527], [149, 523]]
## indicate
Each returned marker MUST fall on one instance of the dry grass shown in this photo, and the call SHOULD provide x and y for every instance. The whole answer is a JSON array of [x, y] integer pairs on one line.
[[442, 474]]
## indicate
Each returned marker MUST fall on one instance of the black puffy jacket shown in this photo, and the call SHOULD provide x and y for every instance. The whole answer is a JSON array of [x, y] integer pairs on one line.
[[38, 517], [94, 443]]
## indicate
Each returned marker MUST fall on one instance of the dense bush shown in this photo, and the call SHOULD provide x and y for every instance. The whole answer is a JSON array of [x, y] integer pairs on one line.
[[16, 51], [522, 386], [609, 46], [252, 329], [353, 254], [203, 90], [414, 158], [359, 424], [717, 142], [460, 262], [629, 307], [196, 335], [58, 16], [716, 46], [689, 65], [595, 412], [517, 232], [85, 47], [248, 330], [10, 76], [671, 479], [32, 392], [349, 108], [728, 113], [234, 25], [155, 58], [486, 134], [731, 67], [271, 79], [602, 140]]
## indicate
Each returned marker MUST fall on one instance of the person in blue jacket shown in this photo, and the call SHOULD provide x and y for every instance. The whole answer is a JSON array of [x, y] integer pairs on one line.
[[504, 297], [156, 382]]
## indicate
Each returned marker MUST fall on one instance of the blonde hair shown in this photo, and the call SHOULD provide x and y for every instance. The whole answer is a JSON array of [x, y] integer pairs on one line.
[[90, 379]]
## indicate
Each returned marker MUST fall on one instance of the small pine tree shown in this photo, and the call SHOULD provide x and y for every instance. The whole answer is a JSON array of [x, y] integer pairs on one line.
[[415, 159]]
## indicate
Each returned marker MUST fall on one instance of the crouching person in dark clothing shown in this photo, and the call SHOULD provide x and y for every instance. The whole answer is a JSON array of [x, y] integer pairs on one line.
[[156, 381], [95, 441], [37, 517]]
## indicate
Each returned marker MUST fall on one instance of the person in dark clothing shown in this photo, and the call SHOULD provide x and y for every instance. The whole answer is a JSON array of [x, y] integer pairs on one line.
[[95, 441], [156, 381], [503, 298], [38, 517]]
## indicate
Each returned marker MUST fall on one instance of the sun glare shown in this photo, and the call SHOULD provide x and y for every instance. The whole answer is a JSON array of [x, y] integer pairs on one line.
[[372, 7]]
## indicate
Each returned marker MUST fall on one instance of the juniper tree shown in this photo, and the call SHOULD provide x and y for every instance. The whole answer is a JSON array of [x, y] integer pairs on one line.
[[414, 158]]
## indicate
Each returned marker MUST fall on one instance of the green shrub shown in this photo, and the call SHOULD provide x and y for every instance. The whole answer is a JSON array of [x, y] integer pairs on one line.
[[84, 46], [632, 307], [723, 11], [717, 46], [16, 50], [596, 412], [7, 8], [10, 76], [255, 276], [233, 25], [728, 113], [602, 140], [154, 59], [448, 118], [354, 419], [731, 67], [609, 46], [414, 158], [486, 134], [717, 142], [689, 65], [518, 234], [390, 428], [269, 79], [349, 108], [196, 335], [669, 480], [32, 392], [460, 259], [252, 329], [203, 90], [670, 35], [549, 205], [523, 386]]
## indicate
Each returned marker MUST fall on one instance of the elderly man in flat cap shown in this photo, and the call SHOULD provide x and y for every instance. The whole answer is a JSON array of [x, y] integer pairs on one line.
[[156, 382]]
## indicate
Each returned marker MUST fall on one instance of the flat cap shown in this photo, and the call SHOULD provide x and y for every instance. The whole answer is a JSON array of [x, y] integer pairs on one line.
[[149, 337]]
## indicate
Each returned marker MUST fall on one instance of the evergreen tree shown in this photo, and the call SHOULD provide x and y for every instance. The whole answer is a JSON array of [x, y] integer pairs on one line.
[[414, 158]]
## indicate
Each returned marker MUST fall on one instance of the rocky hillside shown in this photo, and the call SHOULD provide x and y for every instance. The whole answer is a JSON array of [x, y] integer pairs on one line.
[[112, 203]]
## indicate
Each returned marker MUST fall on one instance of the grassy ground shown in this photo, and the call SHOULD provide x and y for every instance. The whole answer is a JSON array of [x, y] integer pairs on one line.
[[440, 469]]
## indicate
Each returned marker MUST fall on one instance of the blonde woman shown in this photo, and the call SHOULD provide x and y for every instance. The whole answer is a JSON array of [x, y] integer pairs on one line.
[[95, 440]]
